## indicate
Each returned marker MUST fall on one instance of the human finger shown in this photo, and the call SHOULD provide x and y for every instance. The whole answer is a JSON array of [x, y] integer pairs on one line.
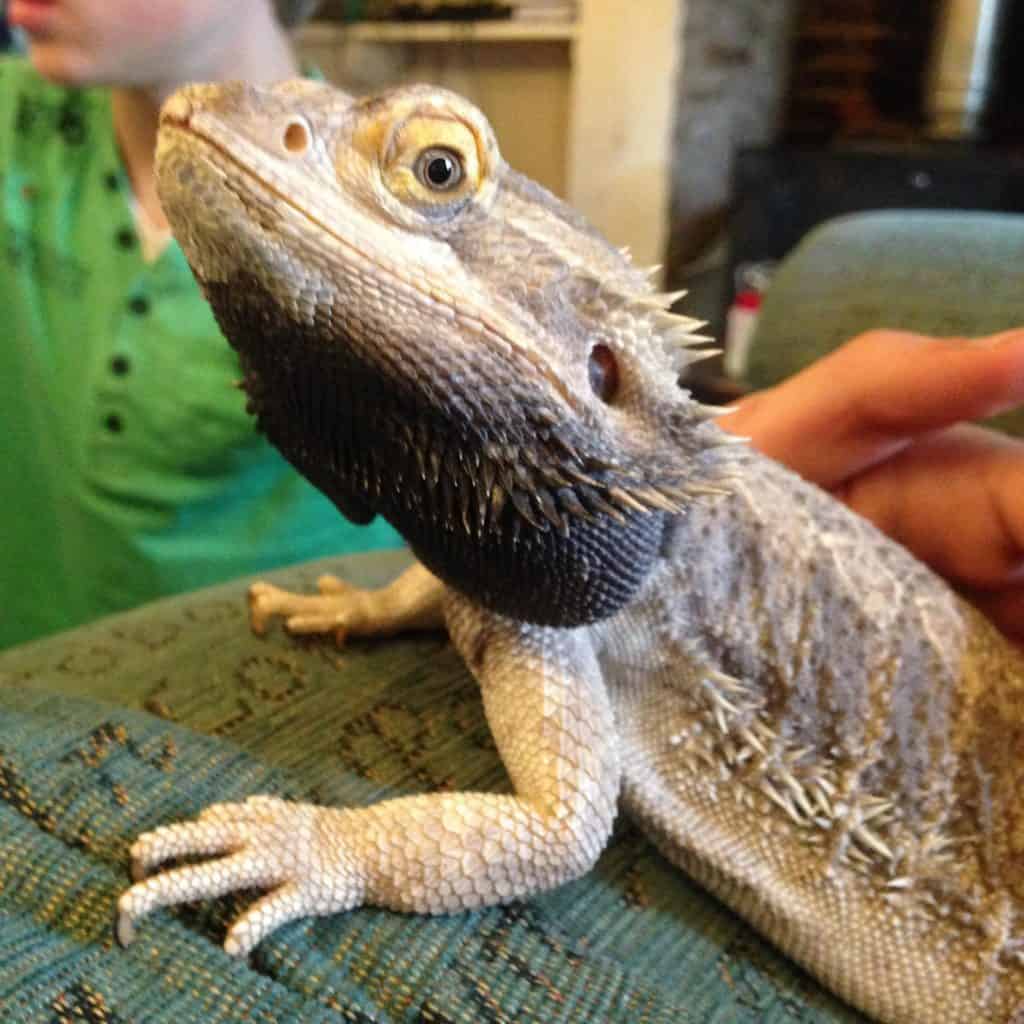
[[953, 499], [864, 402]]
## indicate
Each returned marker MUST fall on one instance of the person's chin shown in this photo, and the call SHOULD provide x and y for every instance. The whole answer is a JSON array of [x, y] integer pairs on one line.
[[61, 65]]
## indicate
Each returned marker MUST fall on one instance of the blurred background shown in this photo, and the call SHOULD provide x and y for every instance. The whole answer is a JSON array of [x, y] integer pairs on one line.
[[709, 136]]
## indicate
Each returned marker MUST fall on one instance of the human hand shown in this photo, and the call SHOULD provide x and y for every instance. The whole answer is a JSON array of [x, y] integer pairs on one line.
[[879, 423]]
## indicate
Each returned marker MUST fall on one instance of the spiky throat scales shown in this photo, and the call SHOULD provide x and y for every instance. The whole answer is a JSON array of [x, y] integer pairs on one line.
[[424, 353], [497, 516]]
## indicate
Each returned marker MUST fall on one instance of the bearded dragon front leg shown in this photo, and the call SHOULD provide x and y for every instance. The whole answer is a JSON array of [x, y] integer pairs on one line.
[[552, 722], [410, 602]]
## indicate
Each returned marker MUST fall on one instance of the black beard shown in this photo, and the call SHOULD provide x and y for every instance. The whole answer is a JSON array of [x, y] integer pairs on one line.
[[374, 447]]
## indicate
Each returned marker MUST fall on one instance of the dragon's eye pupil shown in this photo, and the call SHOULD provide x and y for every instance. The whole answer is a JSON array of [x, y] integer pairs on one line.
[[439, 169]]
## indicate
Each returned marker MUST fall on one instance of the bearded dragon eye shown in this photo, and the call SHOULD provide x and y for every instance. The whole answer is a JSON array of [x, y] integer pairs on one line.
[[604, 372], [439, 169]]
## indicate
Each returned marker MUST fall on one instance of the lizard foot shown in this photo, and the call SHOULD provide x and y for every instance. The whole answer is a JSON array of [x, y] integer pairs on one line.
[[263, 843], [329, 611]]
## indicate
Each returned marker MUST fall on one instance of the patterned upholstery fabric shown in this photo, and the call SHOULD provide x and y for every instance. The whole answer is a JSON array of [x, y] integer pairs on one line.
[[946, 273], [146, 717]]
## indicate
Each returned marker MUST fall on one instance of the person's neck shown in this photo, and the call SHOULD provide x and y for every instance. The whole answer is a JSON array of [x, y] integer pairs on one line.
[[260, 52]]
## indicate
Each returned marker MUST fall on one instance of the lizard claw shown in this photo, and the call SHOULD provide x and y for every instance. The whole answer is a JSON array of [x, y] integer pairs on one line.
[[328, 611], [263, 843]]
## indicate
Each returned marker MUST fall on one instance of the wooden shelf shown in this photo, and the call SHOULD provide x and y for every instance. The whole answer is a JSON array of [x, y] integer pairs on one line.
[[587, 110], [503, 31]]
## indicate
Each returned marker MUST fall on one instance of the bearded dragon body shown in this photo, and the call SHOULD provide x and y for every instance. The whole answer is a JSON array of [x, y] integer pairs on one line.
[[800, 714]]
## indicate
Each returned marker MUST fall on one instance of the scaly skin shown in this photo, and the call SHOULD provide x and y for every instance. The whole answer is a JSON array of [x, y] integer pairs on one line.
[[800, 714]]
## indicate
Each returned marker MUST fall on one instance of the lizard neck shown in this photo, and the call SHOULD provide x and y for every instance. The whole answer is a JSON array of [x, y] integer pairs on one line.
[[375, 448]]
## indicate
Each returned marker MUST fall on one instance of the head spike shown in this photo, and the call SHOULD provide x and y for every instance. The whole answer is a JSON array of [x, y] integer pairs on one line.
[[481, 510], [525, 508], [652, 497], [706, 491], [625, 499], [571, 504], [550, 510], [711, 412], [728, 440], [659, 300], [596, 502], [684, 357], [682, 330], [465, 496], [665, 322], [498, 497]]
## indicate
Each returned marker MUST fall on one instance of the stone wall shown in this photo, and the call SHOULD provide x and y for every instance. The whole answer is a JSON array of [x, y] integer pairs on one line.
[[731, 93]]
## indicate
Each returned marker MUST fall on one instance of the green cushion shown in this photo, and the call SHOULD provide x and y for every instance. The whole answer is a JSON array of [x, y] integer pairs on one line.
[[956, 273], [144, 718]]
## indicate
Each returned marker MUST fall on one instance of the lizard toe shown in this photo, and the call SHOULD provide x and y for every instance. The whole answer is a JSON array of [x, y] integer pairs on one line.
[[267, 914], [191, 838], [248, 869]]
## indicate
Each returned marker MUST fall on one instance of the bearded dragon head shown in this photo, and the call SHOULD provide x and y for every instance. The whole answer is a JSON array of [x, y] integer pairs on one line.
[[429, 336]]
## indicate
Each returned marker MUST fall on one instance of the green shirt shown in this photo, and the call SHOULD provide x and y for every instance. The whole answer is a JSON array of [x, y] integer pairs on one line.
[[129, 468]]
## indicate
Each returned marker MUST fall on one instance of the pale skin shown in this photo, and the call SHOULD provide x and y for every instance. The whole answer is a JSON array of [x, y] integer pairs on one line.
[[143, 50]]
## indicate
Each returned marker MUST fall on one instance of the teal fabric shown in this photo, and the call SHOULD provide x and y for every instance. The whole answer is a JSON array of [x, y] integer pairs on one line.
[[144, 718], [130, 466], [945, 273]]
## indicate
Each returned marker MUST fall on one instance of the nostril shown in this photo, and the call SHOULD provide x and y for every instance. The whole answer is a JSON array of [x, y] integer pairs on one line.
[[296, 137], [177, 109]]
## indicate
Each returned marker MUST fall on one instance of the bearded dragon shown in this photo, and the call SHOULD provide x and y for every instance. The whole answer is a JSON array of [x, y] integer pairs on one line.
[[801, 715]]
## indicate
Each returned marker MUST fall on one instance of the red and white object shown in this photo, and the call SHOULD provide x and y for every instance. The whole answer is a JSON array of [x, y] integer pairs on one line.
[[739, 331]]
